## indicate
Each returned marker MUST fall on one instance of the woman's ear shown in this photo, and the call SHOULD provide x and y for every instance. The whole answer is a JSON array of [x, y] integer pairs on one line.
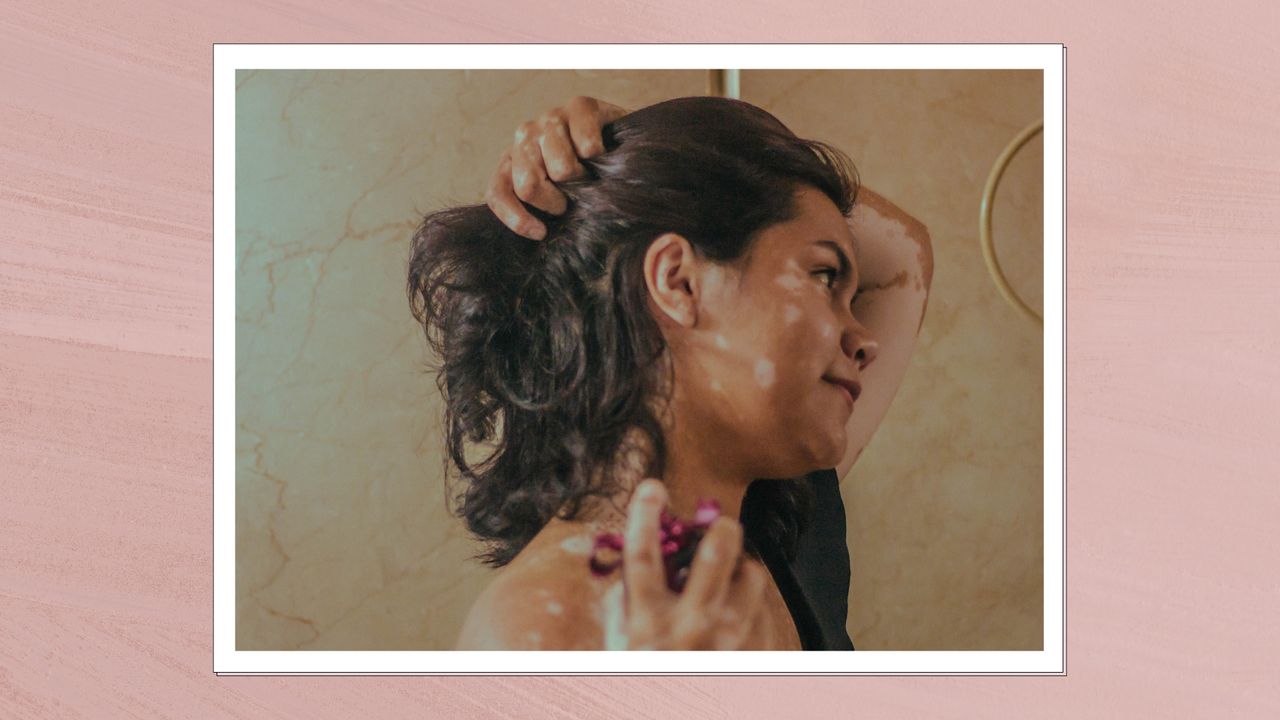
[[670, 274]]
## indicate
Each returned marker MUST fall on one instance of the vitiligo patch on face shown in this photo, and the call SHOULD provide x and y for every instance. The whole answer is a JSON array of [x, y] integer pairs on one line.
[[792, 314], [721, 342], [576, 545], [790, 281], [716, 386], [827, 331], [792, 277], [764, 372], [555, 608]]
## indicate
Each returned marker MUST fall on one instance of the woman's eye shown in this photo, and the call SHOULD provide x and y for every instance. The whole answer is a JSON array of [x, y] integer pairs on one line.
[[829, 271]]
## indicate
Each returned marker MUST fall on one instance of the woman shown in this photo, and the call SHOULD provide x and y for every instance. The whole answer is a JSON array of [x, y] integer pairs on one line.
[[688, 318], [895, 257]]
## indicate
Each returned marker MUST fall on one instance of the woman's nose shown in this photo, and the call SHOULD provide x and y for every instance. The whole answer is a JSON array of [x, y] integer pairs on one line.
[[858, 344], [866, 353]]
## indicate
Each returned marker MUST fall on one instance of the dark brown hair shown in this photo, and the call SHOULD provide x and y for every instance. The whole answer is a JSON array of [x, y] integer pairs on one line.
[[553, 341]]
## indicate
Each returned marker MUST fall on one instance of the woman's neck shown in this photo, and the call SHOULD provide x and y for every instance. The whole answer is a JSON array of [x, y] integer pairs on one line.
[[694, 474], [695, 470]]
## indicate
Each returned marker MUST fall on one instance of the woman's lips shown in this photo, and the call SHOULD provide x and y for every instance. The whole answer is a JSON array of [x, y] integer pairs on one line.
[[848, 397]]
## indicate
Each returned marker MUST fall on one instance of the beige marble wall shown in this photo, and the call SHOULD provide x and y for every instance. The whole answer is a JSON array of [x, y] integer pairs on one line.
[[342, 540]]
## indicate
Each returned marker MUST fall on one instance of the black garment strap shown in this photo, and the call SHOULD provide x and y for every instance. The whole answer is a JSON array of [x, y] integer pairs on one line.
[[797, 604], [815, 585], [821, 566]]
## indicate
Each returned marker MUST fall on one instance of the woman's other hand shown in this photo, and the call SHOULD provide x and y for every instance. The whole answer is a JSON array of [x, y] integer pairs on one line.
[[545, 152], [722, 606]]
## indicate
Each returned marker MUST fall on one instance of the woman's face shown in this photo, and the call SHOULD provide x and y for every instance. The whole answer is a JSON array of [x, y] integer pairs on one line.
[[755, 371]]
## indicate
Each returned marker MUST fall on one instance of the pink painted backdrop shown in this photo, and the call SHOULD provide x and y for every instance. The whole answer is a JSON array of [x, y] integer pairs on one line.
[[106, 391]]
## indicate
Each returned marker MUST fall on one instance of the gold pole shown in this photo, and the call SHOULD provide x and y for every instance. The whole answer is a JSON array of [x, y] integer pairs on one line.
[[715, 83], [723, 83]]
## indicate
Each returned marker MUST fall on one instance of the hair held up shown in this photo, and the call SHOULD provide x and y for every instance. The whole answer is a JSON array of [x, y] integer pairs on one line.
[[547, 353]]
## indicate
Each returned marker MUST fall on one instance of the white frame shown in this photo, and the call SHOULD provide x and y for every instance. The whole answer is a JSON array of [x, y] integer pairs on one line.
[[229, 58]]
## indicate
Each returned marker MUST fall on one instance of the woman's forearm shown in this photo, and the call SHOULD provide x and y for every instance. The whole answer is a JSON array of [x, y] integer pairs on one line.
[[895, 262], [894, 249]]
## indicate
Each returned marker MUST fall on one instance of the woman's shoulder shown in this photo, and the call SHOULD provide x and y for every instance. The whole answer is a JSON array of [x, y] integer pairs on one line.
[[544, 599]]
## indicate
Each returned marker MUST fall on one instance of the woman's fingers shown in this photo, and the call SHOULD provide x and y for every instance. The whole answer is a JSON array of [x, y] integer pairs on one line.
[[743, 616], [540, 148], [522, 175], [713, 566], [587, 117], [642, 567], [545, 152], [723, 601], [501, 198], [529, 170], [558, 153]]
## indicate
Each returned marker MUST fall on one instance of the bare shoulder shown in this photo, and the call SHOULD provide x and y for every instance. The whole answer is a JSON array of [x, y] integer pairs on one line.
[[545, 599]]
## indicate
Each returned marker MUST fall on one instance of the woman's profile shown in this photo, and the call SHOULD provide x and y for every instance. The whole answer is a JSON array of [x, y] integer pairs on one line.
[[687, 318]]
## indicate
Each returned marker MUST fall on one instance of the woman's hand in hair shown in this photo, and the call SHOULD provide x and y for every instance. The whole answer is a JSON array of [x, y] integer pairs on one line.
[[722, 606], [546, 151]]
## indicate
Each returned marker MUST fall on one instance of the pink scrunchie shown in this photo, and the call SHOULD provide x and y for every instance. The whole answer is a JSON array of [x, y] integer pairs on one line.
[[679, 541]]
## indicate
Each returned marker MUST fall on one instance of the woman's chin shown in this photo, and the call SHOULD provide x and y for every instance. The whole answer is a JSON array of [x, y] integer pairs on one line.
[[822, 448], [833, 453], [823, 458]]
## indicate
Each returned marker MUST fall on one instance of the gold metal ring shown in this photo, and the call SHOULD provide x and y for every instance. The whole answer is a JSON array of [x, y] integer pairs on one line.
[[984, 223]]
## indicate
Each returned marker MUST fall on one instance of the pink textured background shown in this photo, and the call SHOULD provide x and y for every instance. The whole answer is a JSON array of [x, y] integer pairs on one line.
[[105, 361]]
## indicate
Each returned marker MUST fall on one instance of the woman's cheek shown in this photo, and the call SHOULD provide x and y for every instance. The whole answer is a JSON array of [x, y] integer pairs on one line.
[[791, 314], [766, 372]]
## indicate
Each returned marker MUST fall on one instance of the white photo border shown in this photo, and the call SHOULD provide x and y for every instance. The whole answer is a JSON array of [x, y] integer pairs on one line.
[[228, 58]]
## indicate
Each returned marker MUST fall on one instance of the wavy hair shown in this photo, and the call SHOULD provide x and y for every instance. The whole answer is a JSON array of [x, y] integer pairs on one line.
[[547, 351]]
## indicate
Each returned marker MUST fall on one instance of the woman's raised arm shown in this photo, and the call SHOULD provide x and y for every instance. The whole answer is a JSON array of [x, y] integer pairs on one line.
[[895, 262]]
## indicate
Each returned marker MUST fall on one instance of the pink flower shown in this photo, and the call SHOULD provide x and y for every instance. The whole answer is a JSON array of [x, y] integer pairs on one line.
[[707, 512], [678, 540]]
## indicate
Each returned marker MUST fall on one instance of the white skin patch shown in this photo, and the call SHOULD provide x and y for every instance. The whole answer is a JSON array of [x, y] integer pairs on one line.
[[615, 629], [555, 608], [789, 281], [827, 331], [764, 372], [708, 551], [716, 386], [576, 545], [535, 638], [721, 342], [794, 278], [792, 314], [875, 224]]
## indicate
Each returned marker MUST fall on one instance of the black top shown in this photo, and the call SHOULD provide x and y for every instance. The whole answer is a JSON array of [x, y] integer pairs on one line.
[[816, 585]]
